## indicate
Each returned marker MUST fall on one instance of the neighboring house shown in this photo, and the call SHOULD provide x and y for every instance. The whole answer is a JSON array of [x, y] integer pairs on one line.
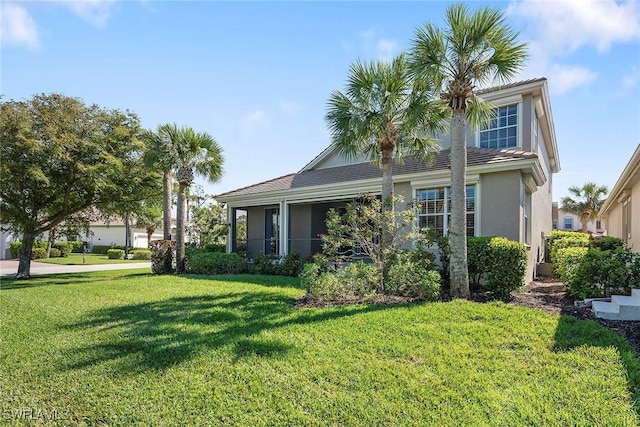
[[622, 208], [509, 181], [6, 237], [567, 221]]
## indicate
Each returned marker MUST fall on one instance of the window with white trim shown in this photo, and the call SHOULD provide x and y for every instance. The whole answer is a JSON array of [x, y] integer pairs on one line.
[[434, 209], [502, 130], [568, 223]]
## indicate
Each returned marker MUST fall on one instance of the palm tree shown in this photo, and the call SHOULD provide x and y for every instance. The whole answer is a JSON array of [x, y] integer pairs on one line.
[[196, 153], [588, 201], [475, 48], [160, 153], [383, 115]]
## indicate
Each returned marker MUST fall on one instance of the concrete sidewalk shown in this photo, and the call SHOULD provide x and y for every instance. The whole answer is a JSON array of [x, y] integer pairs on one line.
[[9, 268]]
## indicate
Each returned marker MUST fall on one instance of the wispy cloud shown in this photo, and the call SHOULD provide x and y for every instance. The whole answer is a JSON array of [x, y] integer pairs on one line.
[[95, 12], [386, 49], [629, 82], [17, 27], [289, 108], [372, 45], [558, 29]]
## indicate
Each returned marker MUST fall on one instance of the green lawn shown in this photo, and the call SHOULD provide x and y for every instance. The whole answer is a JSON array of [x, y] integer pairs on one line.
[[91, 259], [127, 348]]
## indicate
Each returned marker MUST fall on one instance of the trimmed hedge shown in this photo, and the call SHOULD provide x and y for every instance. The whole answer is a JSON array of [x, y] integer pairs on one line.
[[14, 247], [77, 246], [55, 253], [115, 254], [100, 249], [566, 263], [507, 265], [215, 263], [566, 239], [38, 253], [64, 248], [140, 254], [215, 247]]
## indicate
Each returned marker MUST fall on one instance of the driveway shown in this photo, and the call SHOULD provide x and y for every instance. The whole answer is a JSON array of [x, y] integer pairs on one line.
[[9, 268]]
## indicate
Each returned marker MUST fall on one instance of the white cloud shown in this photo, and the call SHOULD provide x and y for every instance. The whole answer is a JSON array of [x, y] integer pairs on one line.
[[17, 27], [567, 25], [289, 108], [253, 119], [372, 45], [565, 78], [95, 12], [386, 49]]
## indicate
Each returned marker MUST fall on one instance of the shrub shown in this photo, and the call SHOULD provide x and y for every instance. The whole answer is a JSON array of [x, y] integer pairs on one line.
[[359, 279], [265, 264], [77, 246], [292, 264], [38, 253], [411, 279], [64, 248], [566, 239], [607, 243], [215, 247], [100, 249], [617, 270], [115, 254], [215, 263], [478, 254], [320, 284], [162, 256], [55, 253], [14, 248], [507, 264], [141, 254], [567, 261]]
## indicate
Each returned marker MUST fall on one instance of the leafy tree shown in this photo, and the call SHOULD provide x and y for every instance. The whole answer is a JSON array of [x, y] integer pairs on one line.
[[474, 48], [384, 115], [586, 201], [60, 158], [196, 153], [149, 217], [209, 224]]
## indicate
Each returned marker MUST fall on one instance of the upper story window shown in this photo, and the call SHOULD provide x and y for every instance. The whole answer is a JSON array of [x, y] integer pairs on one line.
[[502, 131], [568, 223]]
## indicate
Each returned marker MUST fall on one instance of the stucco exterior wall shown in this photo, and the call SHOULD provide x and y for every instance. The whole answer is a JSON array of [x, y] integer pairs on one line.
[[614, 220], [500, 212]]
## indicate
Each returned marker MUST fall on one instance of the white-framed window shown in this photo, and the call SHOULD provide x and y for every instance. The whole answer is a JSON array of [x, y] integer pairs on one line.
[[598, 225], [434, 209], [568, 223], [502, 130]]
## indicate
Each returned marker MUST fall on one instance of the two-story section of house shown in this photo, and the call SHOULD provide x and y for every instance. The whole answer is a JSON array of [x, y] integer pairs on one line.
[[510, 166]]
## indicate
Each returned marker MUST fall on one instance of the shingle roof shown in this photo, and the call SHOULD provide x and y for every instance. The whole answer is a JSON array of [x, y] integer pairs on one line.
[[360, 171], [509, 85]]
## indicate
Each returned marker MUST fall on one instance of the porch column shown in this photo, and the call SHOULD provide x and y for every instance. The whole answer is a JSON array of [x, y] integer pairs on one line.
[[284, 229], [232, 225]]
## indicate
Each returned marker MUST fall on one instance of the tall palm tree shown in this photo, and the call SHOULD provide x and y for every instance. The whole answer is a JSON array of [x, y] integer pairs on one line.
[[197, 153], [383, 115], [160, 153], [588, 201], [474, 49]]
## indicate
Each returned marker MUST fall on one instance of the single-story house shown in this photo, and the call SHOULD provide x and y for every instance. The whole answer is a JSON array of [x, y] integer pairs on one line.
[[509, 181], [622, 208]]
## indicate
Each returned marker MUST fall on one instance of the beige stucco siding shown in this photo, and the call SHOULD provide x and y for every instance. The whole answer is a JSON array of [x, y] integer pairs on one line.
[[499, 215], [615, 217]]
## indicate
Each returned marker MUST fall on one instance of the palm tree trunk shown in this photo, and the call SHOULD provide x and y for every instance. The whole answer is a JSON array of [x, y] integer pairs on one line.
[[458, 267], [182, 210], [24, 264], [149, 234], [167, 187], [584, 217]]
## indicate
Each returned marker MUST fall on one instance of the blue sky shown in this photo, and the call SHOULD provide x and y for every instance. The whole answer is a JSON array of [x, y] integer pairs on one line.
[[257, 75]]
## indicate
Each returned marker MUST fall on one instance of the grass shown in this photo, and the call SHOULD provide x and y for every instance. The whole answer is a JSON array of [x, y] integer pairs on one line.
[[127, 348], [91, 259]]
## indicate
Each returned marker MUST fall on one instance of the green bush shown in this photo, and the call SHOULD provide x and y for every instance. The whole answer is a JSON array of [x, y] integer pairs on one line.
[[618, 270], [215, 263], [566, 239], [411, 279], [507, 265], [14, 249], [607, 243], [38, 253], [77, 247], [64, 248], [320, 283], [291, 264], [141, 254], [215, 247], [115, 254], [265, 264], [567, 261], [478, 254], [100, 249], [55, 253], [360, 279]]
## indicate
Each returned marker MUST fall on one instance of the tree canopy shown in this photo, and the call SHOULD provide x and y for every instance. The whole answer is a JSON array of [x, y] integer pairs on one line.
[[64, 159]]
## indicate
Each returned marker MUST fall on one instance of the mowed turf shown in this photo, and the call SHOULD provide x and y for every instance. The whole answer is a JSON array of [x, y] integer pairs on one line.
[[89, 259], [128, 348]]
